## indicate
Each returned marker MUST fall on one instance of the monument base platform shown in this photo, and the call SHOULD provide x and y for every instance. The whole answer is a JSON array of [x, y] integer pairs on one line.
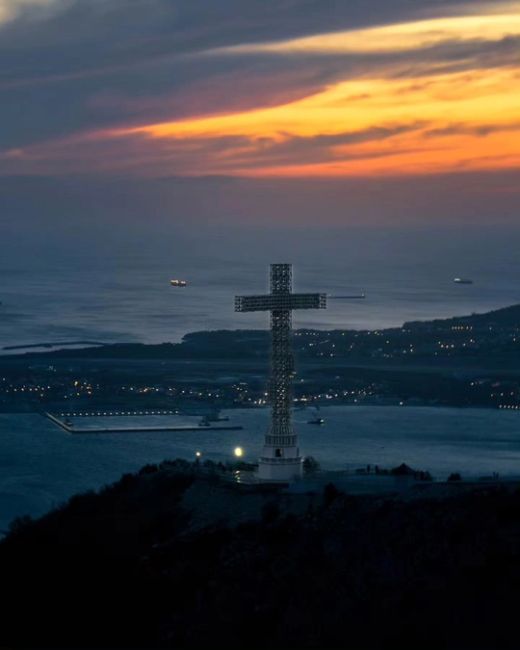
[[280, 469]]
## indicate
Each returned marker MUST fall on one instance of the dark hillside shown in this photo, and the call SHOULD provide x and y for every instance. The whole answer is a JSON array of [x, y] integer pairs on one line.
[[128, 568]]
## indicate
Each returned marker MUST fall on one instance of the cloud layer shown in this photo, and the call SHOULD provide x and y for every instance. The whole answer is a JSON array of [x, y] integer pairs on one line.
[[278, 89]]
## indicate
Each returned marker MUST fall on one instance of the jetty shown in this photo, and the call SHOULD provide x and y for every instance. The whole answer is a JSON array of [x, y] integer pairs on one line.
[[70, 428]]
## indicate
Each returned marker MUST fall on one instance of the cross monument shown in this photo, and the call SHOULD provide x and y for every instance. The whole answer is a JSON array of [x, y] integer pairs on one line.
[[281, 459]]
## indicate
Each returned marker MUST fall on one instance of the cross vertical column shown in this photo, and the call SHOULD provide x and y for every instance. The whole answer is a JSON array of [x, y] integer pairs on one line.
[[280, 459], [281, 440]]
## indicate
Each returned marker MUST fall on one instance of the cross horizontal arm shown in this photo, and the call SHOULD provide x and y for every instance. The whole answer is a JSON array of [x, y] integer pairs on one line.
[[275, 302]]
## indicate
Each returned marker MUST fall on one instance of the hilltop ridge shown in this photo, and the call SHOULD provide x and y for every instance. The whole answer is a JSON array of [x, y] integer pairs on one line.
[[152, 562]]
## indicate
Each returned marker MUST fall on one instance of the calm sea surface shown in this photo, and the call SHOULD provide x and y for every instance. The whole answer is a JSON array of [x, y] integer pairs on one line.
[[124, 296], [41, 465]]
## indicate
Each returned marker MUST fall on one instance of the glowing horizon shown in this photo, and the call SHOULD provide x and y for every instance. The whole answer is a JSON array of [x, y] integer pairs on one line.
[[469, 118]]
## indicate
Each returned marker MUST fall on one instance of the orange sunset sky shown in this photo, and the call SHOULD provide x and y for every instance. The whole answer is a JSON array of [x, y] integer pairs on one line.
[[431, 92]]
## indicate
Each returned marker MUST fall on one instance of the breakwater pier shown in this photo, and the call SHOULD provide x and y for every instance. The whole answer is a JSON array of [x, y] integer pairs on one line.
[[63, 420]]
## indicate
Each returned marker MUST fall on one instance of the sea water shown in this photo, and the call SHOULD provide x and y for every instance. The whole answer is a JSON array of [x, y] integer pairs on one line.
[[84, 294], [41, 465]]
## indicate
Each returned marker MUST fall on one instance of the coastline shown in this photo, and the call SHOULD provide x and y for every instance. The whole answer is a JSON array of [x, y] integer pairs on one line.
[[506, 314], [468, 361]]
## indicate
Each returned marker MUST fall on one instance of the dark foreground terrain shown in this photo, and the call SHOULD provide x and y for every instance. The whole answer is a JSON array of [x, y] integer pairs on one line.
[[173, 557]]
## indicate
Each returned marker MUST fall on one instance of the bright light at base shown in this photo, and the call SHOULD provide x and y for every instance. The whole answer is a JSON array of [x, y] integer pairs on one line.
[[239, 452]]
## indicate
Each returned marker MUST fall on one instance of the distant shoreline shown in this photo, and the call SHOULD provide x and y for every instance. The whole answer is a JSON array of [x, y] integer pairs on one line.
[[46, 344], [504, 316]]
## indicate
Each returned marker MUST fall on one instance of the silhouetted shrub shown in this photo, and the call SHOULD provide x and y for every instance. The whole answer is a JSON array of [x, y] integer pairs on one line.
[[402, 470], [330, 494], [455, 476], [310, 465], [151, 468]]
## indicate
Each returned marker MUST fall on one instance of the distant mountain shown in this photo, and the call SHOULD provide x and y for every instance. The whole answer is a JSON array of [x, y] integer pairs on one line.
[[504, 317]]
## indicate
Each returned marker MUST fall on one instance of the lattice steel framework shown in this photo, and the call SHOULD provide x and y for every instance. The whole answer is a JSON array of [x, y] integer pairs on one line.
[[281, 443]]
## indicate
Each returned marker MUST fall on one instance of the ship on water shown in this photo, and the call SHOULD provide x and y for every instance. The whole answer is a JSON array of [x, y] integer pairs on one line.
[[178, 283], [462, 281]]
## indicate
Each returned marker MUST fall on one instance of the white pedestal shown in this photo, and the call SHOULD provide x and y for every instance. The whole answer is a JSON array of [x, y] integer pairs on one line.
[[280, 469]]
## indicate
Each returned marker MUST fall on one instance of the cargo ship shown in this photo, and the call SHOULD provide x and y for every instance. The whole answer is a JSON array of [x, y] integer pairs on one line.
[[462, 281]]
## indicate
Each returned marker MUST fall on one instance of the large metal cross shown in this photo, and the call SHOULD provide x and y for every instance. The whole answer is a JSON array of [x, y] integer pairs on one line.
[[281, 456]]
